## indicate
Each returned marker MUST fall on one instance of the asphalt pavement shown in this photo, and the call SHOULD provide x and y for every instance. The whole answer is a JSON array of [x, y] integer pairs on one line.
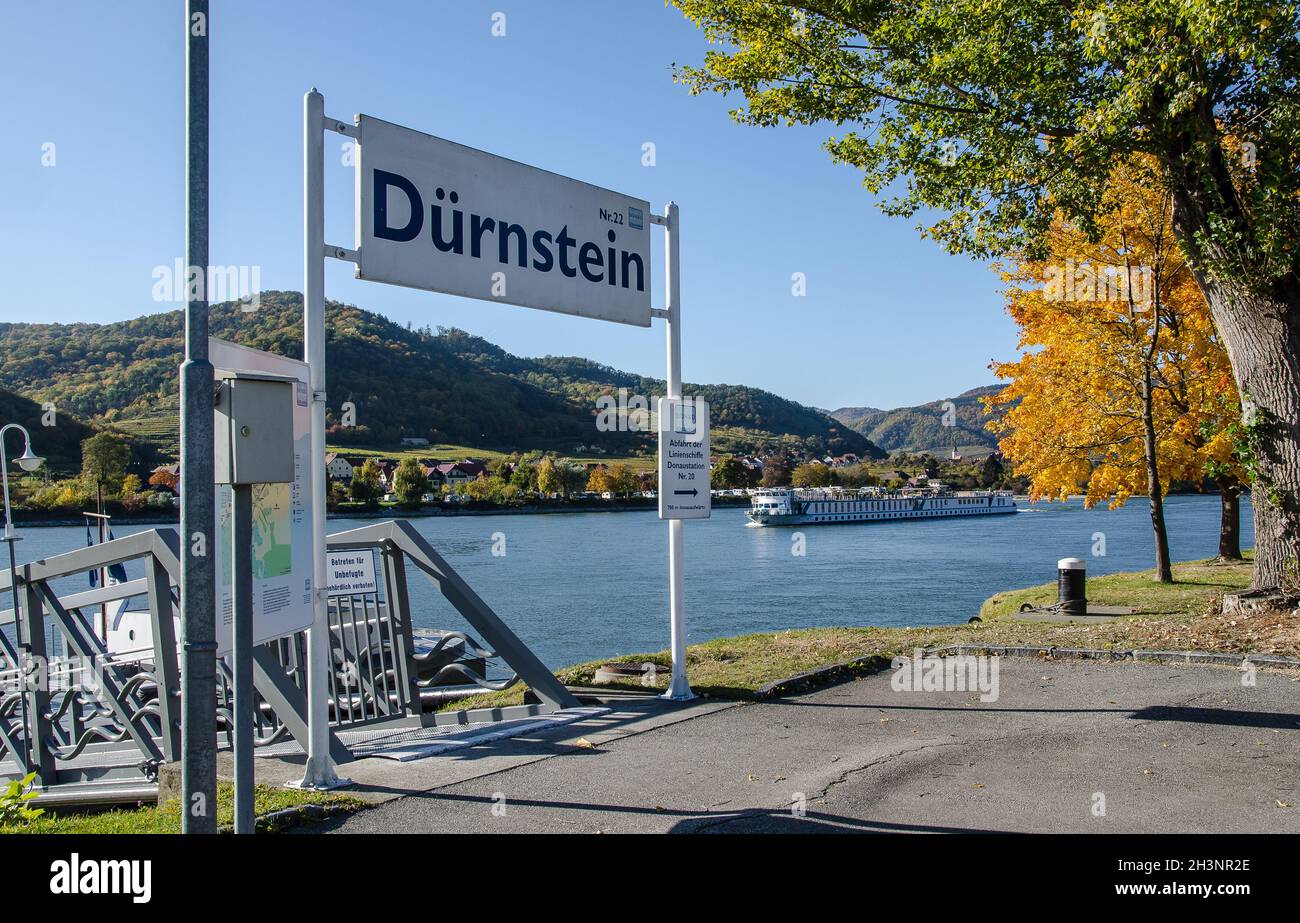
[[1068, 746]]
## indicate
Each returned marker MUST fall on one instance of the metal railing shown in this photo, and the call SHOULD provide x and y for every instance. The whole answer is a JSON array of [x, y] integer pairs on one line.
[[93, 715], [65, 717]]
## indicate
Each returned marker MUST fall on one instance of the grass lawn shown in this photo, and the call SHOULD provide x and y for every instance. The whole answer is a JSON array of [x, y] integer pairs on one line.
[[1182, 616], [1196, 584], [166, 818]]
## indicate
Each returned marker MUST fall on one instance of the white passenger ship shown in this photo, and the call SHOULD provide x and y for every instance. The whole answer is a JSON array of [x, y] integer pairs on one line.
[[798, 507]]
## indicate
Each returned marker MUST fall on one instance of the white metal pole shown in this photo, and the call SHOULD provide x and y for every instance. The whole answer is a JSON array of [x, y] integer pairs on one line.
[[319, 771], [679, 689]]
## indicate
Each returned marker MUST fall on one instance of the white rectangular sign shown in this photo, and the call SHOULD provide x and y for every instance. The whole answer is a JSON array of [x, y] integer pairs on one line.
[[282, 518], [350, 573], [436, 215], [684, 459]]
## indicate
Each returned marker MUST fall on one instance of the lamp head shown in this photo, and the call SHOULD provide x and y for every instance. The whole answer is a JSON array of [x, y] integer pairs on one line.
[[28, 461]]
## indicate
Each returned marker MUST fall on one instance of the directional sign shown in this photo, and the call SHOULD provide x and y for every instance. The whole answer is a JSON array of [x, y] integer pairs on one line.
[[436, 215], [684, 459]]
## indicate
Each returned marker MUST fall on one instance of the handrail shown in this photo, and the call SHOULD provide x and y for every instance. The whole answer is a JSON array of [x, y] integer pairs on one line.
[[402, 536]]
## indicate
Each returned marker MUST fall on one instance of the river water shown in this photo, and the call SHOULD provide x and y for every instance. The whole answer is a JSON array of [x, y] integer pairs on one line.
[[577, 586]]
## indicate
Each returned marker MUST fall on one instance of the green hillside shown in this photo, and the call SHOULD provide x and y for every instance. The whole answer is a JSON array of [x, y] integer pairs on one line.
[[59, 444], [446, 386], [922, 429]]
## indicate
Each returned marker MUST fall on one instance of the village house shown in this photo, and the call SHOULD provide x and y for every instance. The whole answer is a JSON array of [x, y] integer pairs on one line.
[[338, 468], [460, 472], [173, 473]]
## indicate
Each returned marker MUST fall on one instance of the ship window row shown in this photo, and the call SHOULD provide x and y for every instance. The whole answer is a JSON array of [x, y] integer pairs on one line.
[[887, 514]]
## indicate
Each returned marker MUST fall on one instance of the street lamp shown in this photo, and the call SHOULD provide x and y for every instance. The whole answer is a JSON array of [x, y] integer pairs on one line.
[[28, 461]]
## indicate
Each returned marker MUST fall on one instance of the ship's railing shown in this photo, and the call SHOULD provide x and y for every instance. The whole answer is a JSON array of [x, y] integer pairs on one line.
[[879, 493]]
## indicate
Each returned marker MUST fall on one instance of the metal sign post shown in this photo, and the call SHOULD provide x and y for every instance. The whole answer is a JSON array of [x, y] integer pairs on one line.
[[679, 689], [439, 216], [319, 771], [198, 509], [253, 446], [241, 534]]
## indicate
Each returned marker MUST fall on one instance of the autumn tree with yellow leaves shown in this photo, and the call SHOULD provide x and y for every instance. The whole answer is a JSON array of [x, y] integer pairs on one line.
[[1124, 384]]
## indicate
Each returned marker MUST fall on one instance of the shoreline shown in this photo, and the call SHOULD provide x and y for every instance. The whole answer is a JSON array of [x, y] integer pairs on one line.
[[34, 519], [26, 518]]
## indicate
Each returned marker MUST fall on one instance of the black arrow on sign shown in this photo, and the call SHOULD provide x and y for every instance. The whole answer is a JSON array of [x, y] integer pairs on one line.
[[692, 492]]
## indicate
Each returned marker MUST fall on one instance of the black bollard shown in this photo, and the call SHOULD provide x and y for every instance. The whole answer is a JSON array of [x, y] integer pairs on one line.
[[1071, 577]]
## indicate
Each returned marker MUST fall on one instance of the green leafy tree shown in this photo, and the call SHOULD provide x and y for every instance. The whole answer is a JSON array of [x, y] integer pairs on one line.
[[856, 476], [598, 481], [999, 114], [409, 482], [337, 493], [574, 476], [104, 458], [776, 472], [367, 485], [813, 474], [550, 479], [729, 473], [622, 480], [523, 477], [990, 471]]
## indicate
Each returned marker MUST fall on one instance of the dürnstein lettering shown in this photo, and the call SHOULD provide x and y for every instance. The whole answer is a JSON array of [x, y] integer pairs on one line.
[[440, 216], [453, 229]]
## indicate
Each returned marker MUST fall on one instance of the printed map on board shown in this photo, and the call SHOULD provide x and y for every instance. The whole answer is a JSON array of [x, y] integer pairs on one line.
[[272, 538]]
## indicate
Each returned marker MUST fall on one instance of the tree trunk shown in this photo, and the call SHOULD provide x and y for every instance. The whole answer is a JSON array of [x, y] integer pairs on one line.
[[1229, 520], [1263, 340], [1260, 326], [1164, 571]]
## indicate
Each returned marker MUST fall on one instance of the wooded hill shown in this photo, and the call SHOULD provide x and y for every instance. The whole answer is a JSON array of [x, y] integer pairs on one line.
[[59, 444], [446, 385], [921, 429]]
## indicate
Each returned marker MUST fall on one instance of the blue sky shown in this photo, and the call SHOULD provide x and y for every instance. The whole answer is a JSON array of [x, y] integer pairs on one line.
[[574, 87]]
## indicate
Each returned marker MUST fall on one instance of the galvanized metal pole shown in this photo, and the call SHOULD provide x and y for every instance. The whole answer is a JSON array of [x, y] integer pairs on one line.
[[319, 771], [198, 508], [241, 592], [679, 689]]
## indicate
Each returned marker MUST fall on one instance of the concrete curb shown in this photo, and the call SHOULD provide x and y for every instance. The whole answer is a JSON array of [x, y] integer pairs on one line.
[[823, 676], [1082, 653], [864, 666], [296, 816]]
